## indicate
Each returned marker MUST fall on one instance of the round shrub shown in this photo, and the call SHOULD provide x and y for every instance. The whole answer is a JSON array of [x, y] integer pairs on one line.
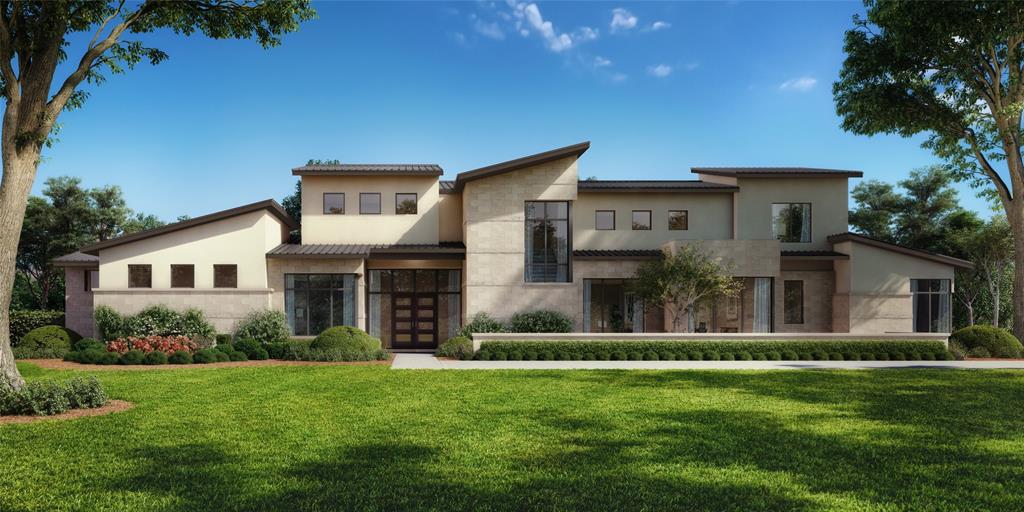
[[132, 357], [109, 358], [979, 352], [998, 342], [945, 356], [459, 347], [71, 356], [695, 356], [227, 348], [481, 323], [744, 356], [221, 356], [851, 356], [563, 355], [602, 356], [91, 356], [789, 355], [180, 357], [897, 356], [806, 356], [545, 355], [46, 341], [483, 355], [238, 356], [651, 355], [927, 356], [882, 356], [618, 356], [712, 356], [773, 356], [760, 356], [836, 356], [155, 357], [499, 356], [913, 356], [588, 356], [264, 326], [635, 356], [543, 320], [667, 356], [260, 354], [515, 355], [728, 356], [682, 356], [818, 355], [349, 342], [529, 355], [205, 356], [248, 346], [867, 356], [88, 344], [576, 356]]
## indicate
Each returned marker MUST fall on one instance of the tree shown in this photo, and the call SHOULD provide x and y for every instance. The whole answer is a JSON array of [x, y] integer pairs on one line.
[[141, 222], [991, 250], [35, 39], [953, 71], [877, 207], [682, 281], [293, 206]]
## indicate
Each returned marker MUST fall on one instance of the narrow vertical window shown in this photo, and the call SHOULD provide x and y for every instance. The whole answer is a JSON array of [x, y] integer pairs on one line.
[[225, 276], [183, 276], [678, 220], [140, 276], [369, 203], [793, 292], [931, 305], [604, 220], [641, 220], [548, 242], [405, 204], [334, 203]]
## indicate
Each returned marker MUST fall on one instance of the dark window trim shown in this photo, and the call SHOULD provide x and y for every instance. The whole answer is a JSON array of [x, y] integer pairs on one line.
[[650, 220], [183, 265], [88, 280], [568, 241], [380, 207], [917, 295], [140, 266], [307, 289], [416, 199], [785, 312], [810, 223], [614, 220], [219, 265], [686, 213], [323, 203]]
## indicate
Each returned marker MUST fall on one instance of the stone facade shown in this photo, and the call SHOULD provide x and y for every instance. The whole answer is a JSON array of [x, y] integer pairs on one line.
[[223, 307], [78, 301], [819, 287]]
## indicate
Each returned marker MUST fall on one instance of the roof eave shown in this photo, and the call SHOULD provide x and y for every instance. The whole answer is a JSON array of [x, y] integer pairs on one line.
[[938, 258], [519, 163]]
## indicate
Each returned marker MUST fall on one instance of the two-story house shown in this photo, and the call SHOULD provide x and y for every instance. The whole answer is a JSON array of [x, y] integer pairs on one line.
[[409, 257]]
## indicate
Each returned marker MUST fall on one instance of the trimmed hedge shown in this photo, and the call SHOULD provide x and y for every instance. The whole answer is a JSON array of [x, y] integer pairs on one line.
[[45, 398], [884, 350], [986, 341], [48, 341], [542, 320], [24, 320]]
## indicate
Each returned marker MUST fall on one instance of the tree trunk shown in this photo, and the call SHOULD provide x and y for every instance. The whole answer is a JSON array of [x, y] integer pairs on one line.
[[1015, 215], [19, 173], [995, 290], [970, 313]]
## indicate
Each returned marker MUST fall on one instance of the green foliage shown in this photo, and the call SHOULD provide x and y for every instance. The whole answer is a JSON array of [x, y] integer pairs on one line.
[[45, 398], [458, 347], [227, 348], [238, 356], [87, 344], [280, 350], [180, 357], [986, 339], [222, 339], [206, 356], [155, 320], [264, 326], [23, 321], [292, 204], [132, 357], [540, 321], [248, 347], [348, 343], [85, 393], [481, 323], [49, 341], [109, 358], [154, 358]]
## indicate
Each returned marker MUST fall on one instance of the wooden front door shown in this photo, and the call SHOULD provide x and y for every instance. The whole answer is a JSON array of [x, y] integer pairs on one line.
[[414, 320]]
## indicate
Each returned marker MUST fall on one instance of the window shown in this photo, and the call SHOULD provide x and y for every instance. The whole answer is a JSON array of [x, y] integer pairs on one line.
[[92, 279], [604, 219], [405, 204], [931, 305], [641, 220], [225, 276], [793, 294], [183, 276], [547, 242], [608, 307], [369, 203], [678, 220], [334, 203], [315, 302], [791, 222], [140, 276]]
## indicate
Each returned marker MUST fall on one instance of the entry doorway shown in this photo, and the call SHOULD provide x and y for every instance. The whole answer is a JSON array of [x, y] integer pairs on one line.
[[414, 320]]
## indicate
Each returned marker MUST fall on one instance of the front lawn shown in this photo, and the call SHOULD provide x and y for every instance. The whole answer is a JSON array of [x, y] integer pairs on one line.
[[348, 437]]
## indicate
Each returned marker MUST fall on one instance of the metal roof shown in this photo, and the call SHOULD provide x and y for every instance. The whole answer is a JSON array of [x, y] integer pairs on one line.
[[653, 186], [447, 187], [369, 170], [881, 244], [777, 172], [76, 259], [827, 255], [360, 251], [520, 163], [617, 254]]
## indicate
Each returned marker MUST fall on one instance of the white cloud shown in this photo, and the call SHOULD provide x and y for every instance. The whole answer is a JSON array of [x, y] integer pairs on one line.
[[601, 62], [660, 71], [490, 30], [530, 15], [801, 84], [583, 34], [622, 20], [660, 25], [619, 77]]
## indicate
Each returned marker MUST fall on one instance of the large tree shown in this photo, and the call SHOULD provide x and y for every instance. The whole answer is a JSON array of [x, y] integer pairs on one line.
[[990, 247], [35, 37], [955, 72]]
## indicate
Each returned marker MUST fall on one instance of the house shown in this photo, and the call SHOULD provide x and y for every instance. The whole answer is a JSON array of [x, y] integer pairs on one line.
[[409, 257]]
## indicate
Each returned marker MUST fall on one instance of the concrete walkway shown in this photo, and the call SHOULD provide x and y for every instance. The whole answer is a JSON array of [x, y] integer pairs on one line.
[[429, 362]]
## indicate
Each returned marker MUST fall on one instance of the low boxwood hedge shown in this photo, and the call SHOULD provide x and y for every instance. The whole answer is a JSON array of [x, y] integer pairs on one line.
[[883, 350]]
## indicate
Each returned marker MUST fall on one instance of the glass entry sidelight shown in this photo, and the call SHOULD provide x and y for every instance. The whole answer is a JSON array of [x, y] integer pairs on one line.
[[413, 309]]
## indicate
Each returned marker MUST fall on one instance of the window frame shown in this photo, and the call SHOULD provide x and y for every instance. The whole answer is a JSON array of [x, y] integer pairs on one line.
[[786, 304], [917, 295], [232, 266], [650, 220], [415, 200], [686, 220], [140, 266], [184, 266], [380, 207], [810, 222], [324, 203], [568, 240], [597, 227], [88, 283], [353, 292]]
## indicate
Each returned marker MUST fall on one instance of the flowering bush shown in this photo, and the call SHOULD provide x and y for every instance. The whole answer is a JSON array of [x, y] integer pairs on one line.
[[166, 344]]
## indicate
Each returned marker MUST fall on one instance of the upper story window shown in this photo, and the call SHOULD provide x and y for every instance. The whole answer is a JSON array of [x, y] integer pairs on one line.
[[547, 242], [791, 222], [793, 296], [641, 220], [604, 219], [183, 276], [140, 276], [405, 204], [931, 305], [225, 276], [334, 203], [678, 220], [369, 203]]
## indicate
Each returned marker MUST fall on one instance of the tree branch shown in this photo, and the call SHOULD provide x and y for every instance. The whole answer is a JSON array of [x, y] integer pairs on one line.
[[6, 53], [1001, 188]]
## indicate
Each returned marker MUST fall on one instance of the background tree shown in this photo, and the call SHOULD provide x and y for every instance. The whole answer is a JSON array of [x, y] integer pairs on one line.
[[953, 71], [682, 282], [991, 250], [293, 206], [34, 40]]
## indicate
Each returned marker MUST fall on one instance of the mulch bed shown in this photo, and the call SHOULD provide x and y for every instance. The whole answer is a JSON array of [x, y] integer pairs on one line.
[[111, 407], [58, 364]]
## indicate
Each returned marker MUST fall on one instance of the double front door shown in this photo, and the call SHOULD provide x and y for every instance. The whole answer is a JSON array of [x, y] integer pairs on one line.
[[414, 320]]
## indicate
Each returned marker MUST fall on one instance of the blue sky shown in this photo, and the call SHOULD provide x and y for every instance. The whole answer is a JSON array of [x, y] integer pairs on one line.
[[656, 87]]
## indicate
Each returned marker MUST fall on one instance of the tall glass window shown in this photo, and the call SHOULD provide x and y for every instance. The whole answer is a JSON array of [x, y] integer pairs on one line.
[[608, 307], [437, 294], [931, 305], [793, 298], [547, 242], [791, 222], [315, 302]]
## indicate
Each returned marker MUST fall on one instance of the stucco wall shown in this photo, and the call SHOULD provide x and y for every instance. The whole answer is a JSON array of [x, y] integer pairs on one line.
[[743, 258], [450, 218], [494, 211], [709, 216], [242, 240], [385, 228], [828, 198], [77, 301]]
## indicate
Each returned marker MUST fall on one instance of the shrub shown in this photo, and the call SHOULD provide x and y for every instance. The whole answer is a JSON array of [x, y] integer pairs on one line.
[[542, 320], [155, 320], [458, 347], [222, 339], [264, 326], [819, 355], [789, 355], [481, 323], [545, 355], [695, 356], [728, 356], [957, 350], [882, 356], [205, 356], [867, 356], [618, 355], [927, 356], [980, 352], [587, 356], [345, 343], [165, 344], [744, 356], [180, 357], [88, 344], [529, 355], [712, 356], [221, 356], [109, 358], [155, 358], [92, 356], [85, 393], [260, 354], [132, 357], [23, 321], [247, 346], [226, 348], [773, 356], [836, 356], [277, 350], [851, 356], [238, 356], [49, 341], [44, 398], [651, 355], [109, 323], [898, 356], [760, 356], [997, 342], [483, 355], [515, 355], [499, 356]]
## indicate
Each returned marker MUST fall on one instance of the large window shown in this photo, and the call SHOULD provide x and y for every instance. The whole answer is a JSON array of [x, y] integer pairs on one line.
[[931, 305], [369, 203], [334, 203], [405, 204], [641, 220], [314, 302], [183, 276], [604, 220], [608, 307], [793, 296], [140, 276], [547, 242], [225, 276], [791, 222]]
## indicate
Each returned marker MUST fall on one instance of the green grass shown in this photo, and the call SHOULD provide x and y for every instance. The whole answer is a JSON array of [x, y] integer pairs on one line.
[[352, 438]]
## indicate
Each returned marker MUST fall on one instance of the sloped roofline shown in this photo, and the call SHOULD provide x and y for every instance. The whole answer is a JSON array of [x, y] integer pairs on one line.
[[269, 205], [514, 165], [777, 172], [918, 253]]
